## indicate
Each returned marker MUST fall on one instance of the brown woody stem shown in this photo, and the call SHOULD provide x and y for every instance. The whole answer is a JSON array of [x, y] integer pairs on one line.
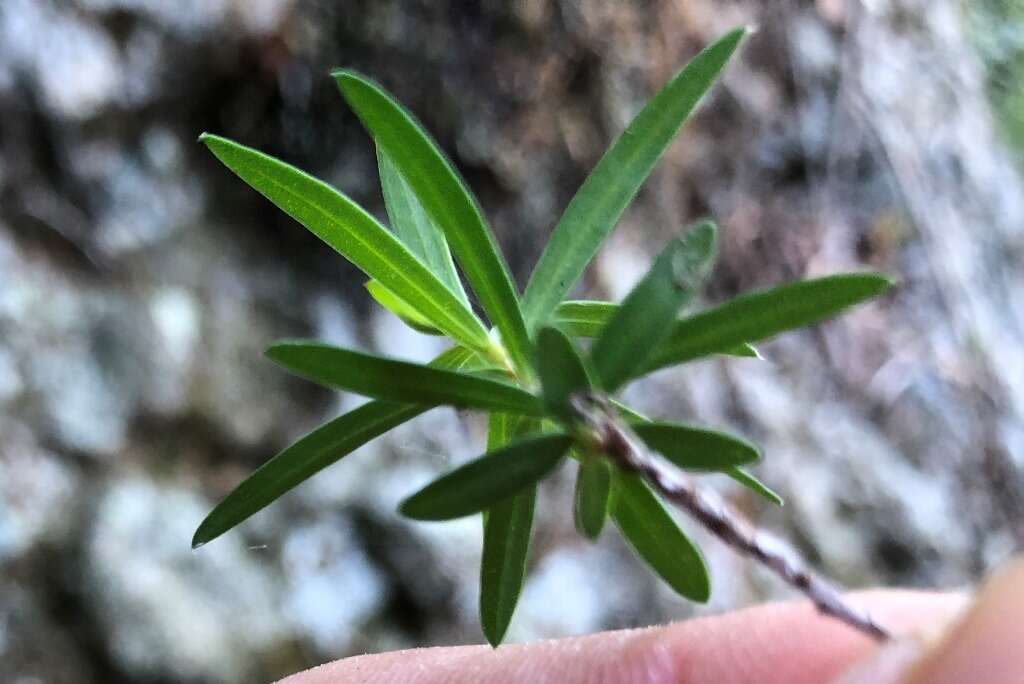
[[619, 443]]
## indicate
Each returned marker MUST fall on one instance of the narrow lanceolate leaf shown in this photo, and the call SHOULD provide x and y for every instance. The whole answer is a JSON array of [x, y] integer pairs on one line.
[[562, 371], [754, 485], [493, 477], [346, 227], [311, 454], [645, 317], [393, 380], [398, 306], [446, 200], [656, 537], [414, 227], [759, 315], [593, 493], [507, 528], [694, 448], [611, 186], [735, 472], [586, 318]]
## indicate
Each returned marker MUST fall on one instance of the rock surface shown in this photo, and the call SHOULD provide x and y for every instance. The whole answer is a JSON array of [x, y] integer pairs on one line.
[[140, 281]]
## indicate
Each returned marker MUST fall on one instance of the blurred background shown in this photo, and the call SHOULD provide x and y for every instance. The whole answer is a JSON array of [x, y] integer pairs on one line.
[[140, 282]]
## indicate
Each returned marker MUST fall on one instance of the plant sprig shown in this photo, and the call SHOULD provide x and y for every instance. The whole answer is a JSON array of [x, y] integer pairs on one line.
[[548, 400]]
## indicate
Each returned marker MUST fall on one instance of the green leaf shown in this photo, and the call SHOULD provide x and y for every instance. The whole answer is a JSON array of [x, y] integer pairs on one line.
[[656, 537], [611, 186], [694, 448], [489, 479], [346, 227], [311, 454], [398, 306], [507, 527], [447, 201], [593, 494], [414, 228], [562, 371], [735, 472], [645, 317], [754, 484], [393, 380], [759, 315], [586, 318]]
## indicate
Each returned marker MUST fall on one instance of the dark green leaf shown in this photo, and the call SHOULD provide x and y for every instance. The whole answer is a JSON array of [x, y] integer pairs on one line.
[[398, 306], [645, 317], [507, 527], [346, 227], [586, 318], [695, 448], [735, 472], [760, 315], [754, 484], [611, 186], [562, 371], [447, 201], [489, 479], [310, 455], [414, 227], [393, 380], [593, 490], [656, 537]]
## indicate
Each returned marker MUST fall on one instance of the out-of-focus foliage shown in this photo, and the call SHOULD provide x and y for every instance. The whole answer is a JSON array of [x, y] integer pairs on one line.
[[997, 29]]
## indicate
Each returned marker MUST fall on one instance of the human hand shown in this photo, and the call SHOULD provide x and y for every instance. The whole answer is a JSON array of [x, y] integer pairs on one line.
[[786, 642]]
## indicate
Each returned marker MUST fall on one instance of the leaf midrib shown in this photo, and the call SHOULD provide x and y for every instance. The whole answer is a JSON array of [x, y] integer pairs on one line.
[[477, 338]]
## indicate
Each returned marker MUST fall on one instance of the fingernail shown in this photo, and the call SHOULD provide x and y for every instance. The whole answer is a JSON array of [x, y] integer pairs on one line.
[[985, 646]]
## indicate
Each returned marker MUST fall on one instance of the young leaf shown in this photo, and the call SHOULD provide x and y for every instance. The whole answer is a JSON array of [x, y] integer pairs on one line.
[[611, 186], [507, 527], [694, 448], [311, 454], [398, 306], [593, 490], [493, 477], [586, 318], [447, 201], [754, 484], [656, 537], [414, 228], [346, 227], [393, 380], [760, 315], [561, 370], [646, 315]]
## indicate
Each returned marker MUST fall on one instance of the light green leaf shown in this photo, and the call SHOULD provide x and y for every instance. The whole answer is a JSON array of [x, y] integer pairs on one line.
[[311, 454], [694, 448], [759, 315], [398, 306], [346, 227], [562, 371], [593, 494], [493, 477], [414, 228], [393, 380], [447, 201], [754, 484], [611, 186], [656, 537], [645, 317], [507, 527], [586, 318]]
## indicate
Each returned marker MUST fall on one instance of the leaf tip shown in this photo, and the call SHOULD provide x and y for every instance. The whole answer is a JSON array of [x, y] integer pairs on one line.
[[200, 538]]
